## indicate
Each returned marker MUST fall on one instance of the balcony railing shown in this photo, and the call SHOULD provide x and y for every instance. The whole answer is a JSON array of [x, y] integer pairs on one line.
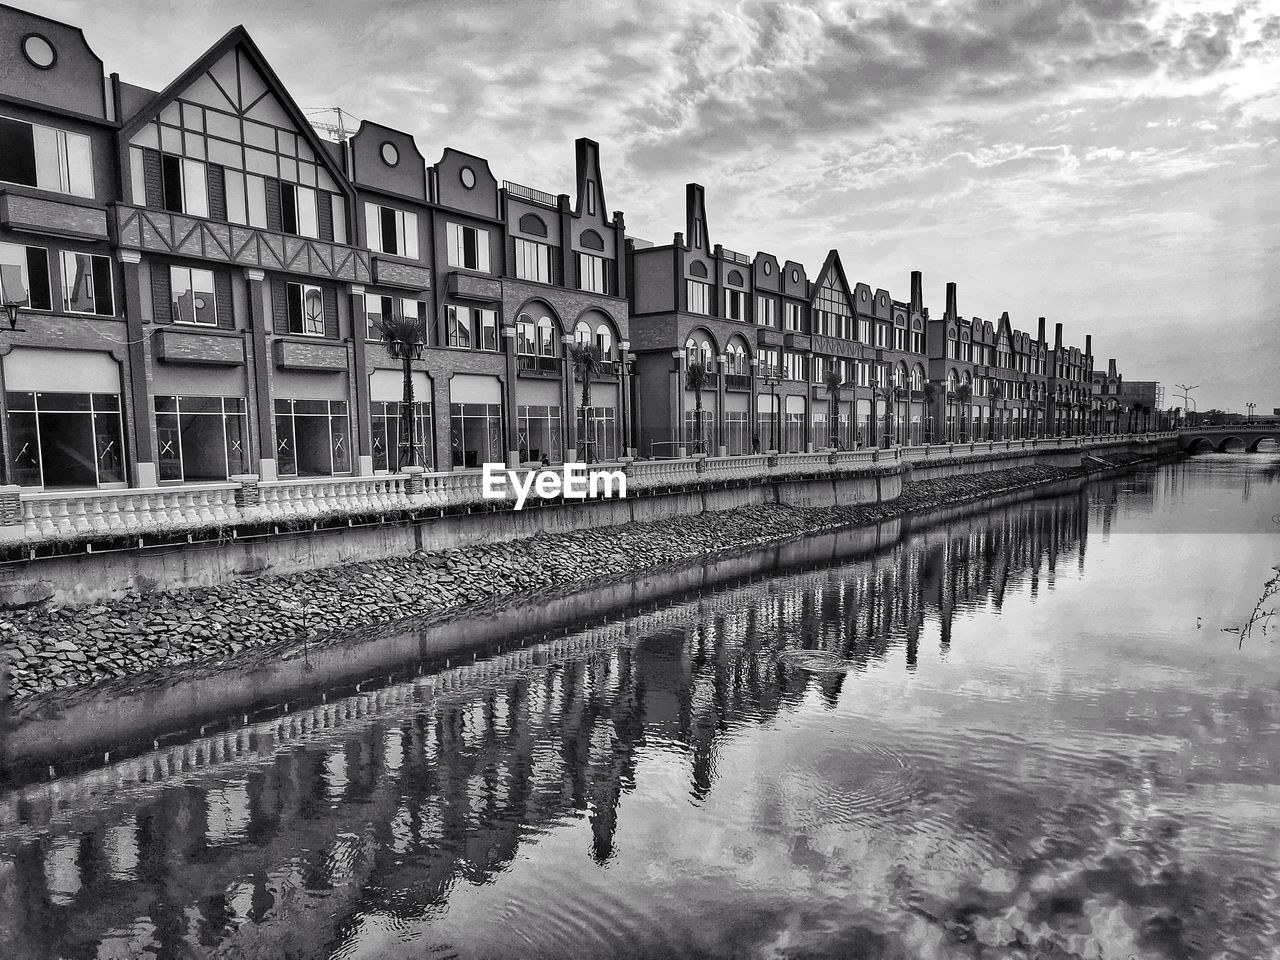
[[733, 256], [33, 519], [737, 381], [543, 365], [528, 193]]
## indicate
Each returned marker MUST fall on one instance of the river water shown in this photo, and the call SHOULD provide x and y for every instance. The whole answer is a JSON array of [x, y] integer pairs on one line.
[[1034, 731]]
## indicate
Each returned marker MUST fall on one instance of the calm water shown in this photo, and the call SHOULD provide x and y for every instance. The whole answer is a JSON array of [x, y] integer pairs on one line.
[[1025, 733]]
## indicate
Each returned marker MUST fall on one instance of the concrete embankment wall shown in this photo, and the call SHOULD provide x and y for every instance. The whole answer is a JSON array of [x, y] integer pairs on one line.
[[83, 578]]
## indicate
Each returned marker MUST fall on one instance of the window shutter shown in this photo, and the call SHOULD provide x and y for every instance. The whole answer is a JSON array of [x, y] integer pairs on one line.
[[553, 264], [161, 293], [511, 256], [324, 209], [571, 271], [217, 193], [330, 298], [279, 306], [274, 221], [222, 297], [153, 179]]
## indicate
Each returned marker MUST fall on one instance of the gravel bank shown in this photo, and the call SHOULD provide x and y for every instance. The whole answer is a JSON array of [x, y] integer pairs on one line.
[[51, 648]]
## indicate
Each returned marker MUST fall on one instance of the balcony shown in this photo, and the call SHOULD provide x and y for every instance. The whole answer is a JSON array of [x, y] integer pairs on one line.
[[204, 349], [466, 286], [532, 366], [392, 273], [520, 191], [797, 341], [768, 337], [608, 370], [176, 234], [53, 217], [302, 355], [737, 381], [733, 256]]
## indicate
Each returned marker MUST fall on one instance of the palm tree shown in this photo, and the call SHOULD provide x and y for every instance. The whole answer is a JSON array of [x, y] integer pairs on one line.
[[964, 393], [831, 380], [404, 337], [930, 395], [586, 364], [997, 394], [697, 378]]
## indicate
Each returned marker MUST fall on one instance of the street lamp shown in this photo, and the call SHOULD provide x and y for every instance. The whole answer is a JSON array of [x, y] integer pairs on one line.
[[1249, 407]]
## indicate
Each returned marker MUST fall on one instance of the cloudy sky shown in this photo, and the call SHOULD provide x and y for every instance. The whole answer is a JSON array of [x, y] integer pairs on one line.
[[1110, 164]]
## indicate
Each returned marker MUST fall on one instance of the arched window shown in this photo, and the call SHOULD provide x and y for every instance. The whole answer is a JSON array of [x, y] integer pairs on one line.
[[532, 224], [698, 268], [699, 350], [735, 278], [591, 240], [736, 356], [582, 334], [604, 342], [546, 337], [526, 336], [900, 375], [951, 381], [917, 378]]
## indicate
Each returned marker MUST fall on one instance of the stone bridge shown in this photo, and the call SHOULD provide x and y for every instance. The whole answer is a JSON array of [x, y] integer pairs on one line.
[[1218, 438]]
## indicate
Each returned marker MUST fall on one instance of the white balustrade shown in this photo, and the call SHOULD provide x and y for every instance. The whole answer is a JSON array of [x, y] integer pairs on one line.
[[72, 513]]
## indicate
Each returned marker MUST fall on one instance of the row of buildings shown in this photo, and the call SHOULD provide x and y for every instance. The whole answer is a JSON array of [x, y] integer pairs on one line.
[[199, 282]]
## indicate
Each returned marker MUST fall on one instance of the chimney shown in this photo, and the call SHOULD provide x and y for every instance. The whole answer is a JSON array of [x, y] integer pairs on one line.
[[1057, 336], [1111, 367], [1040, 337], [951, 301], [917, 292], [1088, 344]]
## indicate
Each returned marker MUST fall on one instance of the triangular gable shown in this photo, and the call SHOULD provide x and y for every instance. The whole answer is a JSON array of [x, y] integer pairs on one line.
[[234, 76], [832, 275]]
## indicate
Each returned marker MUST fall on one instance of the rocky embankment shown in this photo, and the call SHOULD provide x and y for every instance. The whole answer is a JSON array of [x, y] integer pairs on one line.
[[52, 648]]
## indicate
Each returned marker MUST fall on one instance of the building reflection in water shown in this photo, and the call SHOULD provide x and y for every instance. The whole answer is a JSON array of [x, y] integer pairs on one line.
[[283, 837]]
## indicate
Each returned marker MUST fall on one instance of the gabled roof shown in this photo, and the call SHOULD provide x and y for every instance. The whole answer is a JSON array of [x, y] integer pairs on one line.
[[832, 263], [239, 36]]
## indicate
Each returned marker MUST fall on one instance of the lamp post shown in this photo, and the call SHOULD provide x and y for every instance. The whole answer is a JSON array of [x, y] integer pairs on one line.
[[1250, 407], [11, 308], [406, 351]]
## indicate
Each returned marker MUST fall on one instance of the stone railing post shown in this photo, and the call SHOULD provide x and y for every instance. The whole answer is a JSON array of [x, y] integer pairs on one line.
[[415, 486], [248, 496], [11, 523]]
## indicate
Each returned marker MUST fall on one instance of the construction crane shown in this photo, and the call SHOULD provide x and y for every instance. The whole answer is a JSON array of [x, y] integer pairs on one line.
[[342, 130]]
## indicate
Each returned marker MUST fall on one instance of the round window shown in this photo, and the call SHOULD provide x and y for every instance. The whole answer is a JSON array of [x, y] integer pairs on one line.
[[468, 177], [768, 268], [39, 51], [795, 276], [864, 294], [390, 155]]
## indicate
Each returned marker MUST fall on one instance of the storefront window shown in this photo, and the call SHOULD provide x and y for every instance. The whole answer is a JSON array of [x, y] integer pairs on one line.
[[386, 434], [475, 434], [539, 433], [737, 432], [598, 432], [65, 439], [313, 438], [201, 438]]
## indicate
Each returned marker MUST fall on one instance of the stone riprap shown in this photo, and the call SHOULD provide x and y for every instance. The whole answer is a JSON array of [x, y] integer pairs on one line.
[[52, 648]]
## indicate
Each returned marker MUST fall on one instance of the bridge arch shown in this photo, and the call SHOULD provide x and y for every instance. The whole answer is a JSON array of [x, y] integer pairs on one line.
[[1252, 446]]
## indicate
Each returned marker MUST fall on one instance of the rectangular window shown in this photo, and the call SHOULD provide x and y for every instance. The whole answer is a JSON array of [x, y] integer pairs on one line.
[[65, 440], [385, 423], [468, 247], [185, 185], [86, 284], [379, 308], [734, 304], [699, 297], [539, 433], [793, 365], [791, 320], [192, 296], [475, 434], [257, 187], [47, 158], [24, 276], [533, 261], [593, 273], [766, 311], [591, 198], [338, 209], [486, 329], [306, 309], [472, 328], [201, 438], [298, 210], [313, 438], [769, 362], [391, 231]]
